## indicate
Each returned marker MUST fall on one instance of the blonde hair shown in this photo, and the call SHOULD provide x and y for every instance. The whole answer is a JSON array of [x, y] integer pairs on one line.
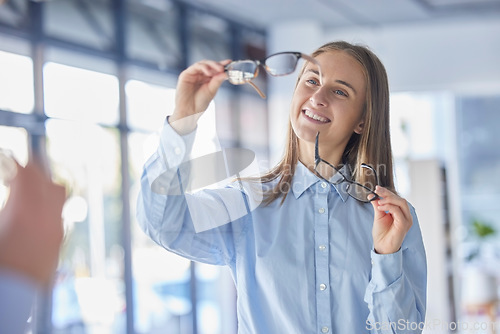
[[372, 146]]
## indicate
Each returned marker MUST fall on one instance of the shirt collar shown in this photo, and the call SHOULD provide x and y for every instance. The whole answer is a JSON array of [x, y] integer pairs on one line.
[[303, 179]]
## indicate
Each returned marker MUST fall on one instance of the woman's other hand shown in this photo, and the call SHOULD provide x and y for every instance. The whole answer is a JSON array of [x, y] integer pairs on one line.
[[391, 223]]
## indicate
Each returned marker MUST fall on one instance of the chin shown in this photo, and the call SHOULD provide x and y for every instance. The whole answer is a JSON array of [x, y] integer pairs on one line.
[[304, 133]]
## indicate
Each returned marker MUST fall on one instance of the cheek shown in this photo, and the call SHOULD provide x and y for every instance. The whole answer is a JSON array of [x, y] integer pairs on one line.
[[295, 108]]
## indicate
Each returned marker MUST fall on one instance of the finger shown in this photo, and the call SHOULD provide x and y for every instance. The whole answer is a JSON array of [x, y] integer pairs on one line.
[[395, 210], [210, 67], [225, 62], [217, 81], [200, 71], [378, 214], [388, 197], [397, 215]]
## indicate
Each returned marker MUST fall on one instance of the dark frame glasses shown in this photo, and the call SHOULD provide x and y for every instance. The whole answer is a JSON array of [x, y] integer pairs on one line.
[[240, 72], [354, 189]]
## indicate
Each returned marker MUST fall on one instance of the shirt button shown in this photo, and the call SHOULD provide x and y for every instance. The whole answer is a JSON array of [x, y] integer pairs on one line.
[[323, 185], [321, 210], [325, 329], [177, 150], [322, 287], [322, 247]]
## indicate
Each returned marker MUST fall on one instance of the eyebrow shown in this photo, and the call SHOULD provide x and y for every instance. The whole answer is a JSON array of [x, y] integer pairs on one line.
[[342, 82]]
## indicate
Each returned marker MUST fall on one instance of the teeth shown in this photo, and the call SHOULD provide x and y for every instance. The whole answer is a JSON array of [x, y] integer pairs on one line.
[[316, 117]]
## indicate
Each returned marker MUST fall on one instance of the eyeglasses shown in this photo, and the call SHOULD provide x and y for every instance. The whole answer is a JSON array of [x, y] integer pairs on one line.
[[358, 191], [240, 72]]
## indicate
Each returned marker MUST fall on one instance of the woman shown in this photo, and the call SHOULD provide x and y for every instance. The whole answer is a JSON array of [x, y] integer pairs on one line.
[[313, 256]]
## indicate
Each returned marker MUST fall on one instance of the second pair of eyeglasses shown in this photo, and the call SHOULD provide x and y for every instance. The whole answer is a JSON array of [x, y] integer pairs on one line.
[[240, 72]]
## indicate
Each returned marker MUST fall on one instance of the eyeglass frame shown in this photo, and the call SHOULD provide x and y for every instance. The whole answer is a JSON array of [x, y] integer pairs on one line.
[[263, 64], [318, 160]]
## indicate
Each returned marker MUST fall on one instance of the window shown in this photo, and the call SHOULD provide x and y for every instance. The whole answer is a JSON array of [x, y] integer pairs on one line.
[[16, 83], [76, 59], [89, 288], [80, 95], [162, 280]]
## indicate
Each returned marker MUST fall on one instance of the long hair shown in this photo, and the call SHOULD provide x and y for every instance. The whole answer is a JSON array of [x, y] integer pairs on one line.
[[372, 146]]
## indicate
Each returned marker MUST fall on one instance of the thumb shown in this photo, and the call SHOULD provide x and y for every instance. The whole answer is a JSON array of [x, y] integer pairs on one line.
[[217, 81]]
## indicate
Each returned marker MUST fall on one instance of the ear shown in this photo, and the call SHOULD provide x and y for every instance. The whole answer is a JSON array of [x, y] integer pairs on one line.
[[359, 128]]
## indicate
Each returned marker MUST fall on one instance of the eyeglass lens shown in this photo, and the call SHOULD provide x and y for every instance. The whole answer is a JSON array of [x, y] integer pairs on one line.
[[281, 64], [242, 71]]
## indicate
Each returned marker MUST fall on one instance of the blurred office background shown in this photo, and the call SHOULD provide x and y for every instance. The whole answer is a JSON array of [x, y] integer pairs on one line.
[[86, 84]]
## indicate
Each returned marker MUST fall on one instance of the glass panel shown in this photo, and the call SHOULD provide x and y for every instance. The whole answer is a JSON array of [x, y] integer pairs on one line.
[[415, 133], [16, 141], [81, 95], [89, 292], [85, 22], [210, 38], [216, 300], [148, 105], [479, 162], [161, 279], [153, 33], [14, 13], [16, 83], [478, 144]]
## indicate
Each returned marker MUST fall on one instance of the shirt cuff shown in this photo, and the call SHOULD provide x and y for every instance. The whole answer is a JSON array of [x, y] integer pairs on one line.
[[162, 166], [386, 268], [174, 147]]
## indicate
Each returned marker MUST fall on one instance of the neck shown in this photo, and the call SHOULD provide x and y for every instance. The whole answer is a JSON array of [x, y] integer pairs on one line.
[[306, 154]]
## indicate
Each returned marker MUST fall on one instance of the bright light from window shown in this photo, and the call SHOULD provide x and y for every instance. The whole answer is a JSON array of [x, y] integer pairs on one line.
[[81, 95], [148, 105], [16, 83]]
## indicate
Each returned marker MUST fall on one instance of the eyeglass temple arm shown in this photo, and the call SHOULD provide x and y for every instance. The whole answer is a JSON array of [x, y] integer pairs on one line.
[[262, 95], [316, 152], [375, 195], [314, 61]]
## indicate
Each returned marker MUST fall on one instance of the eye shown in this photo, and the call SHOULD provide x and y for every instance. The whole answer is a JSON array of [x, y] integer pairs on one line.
[[313, 82], [340, 92]]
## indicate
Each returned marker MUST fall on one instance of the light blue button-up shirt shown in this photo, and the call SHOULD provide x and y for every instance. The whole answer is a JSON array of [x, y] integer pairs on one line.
[[306, 266]]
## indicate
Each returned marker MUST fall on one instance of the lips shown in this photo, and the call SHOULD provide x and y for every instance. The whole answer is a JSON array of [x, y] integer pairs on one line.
[[314, 116]]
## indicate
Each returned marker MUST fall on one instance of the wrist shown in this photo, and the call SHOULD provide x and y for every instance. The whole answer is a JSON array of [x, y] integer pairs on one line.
[[384, 251], [183, 124]]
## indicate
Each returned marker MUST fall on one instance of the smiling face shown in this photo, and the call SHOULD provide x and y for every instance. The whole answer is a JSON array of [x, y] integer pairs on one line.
[[334, 108]]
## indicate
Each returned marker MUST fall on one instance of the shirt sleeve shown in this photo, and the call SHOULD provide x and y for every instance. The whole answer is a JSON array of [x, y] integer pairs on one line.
[[201, 226], [396, 293], [17, 295]]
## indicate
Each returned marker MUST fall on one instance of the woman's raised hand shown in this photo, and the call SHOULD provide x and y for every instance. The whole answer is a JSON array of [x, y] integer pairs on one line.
[[196, 88]]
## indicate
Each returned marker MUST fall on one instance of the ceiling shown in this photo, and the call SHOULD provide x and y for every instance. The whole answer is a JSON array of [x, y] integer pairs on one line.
[[344, 13]]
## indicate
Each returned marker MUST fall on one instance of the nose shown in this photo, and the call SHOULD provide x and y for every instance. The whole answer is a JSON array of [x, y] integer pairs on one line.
[[319, 98]]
